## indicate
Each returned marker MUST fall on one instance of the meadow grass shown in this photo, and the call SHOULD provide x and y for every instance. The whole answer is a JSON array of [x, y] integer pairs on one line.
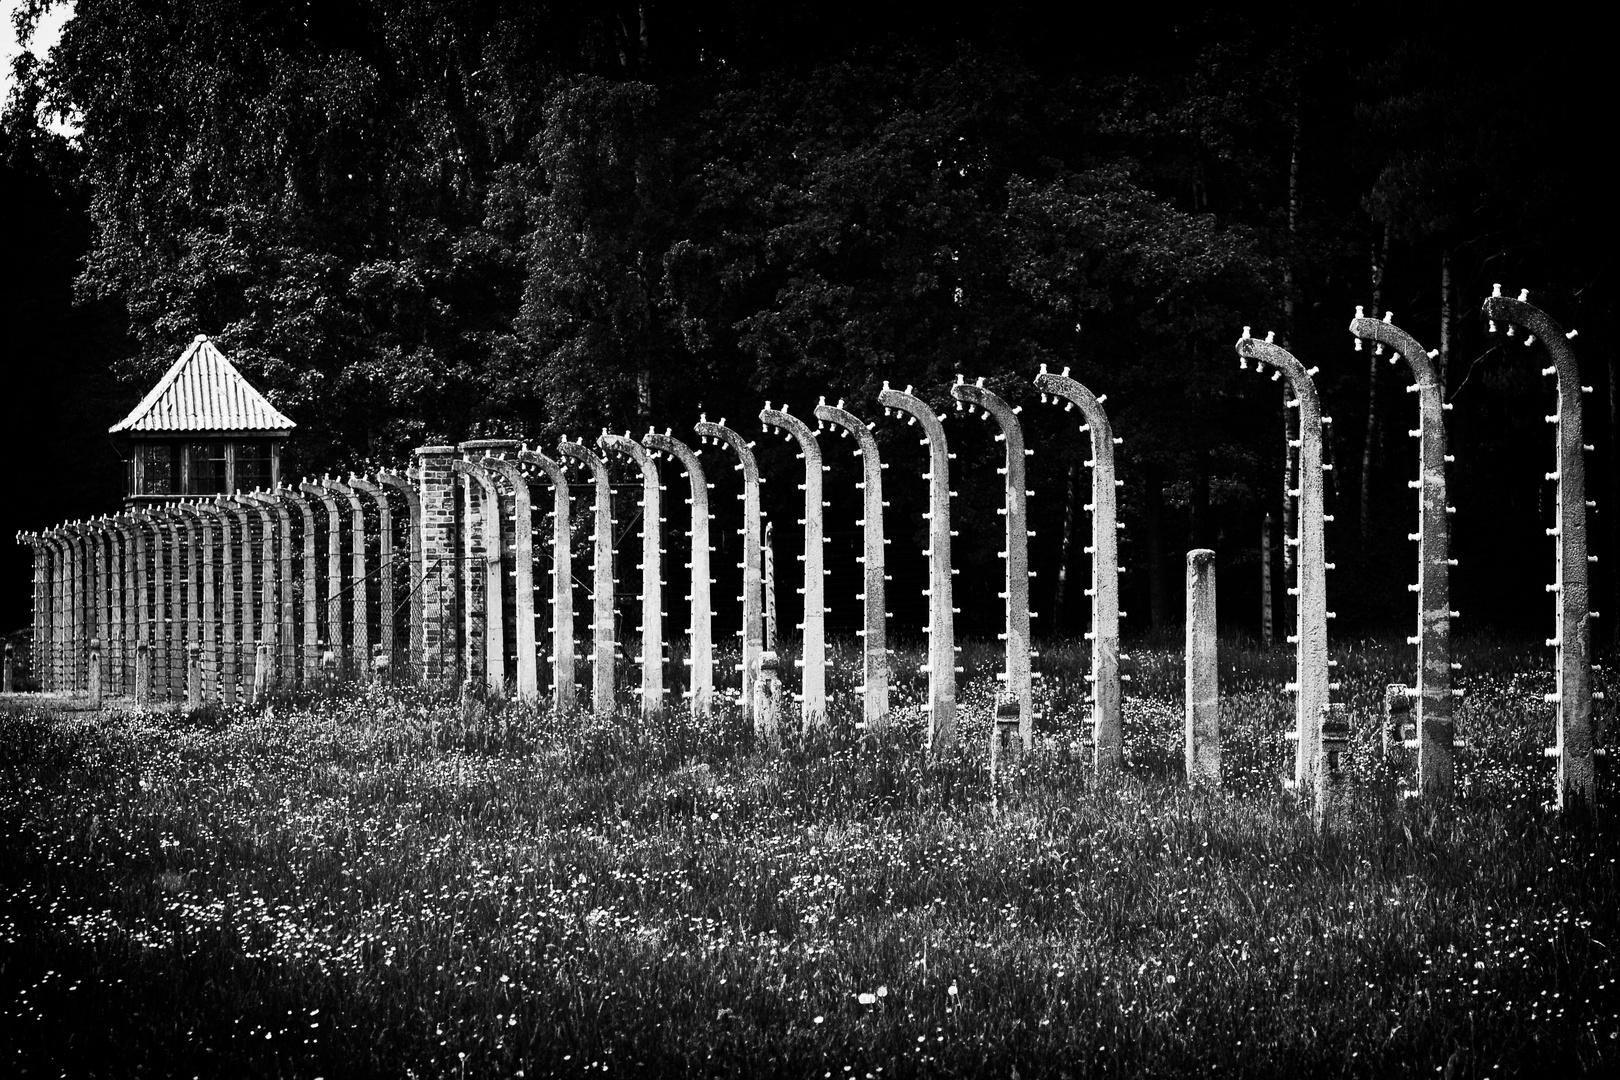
[[387, 883]]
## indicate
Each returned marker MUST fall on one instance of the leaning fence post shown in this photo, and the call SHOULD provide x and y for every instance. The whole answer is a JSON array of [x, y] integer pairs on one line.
[[261, 671], [1203, 724]]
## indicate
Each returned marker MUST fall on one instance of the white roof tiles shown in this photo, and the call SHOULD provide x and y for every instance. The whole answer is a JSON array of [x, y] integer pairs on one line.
[[203, 391]]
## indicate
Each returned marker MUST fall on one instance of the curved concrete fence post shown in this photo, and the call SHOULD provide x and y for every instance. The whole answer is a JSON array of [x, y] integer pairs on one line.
[[202, 598], [131, 617], [1015, 552], [279, 608], [59, 615], [385, 564], [1435, 730], [111, 623], [156, 626], [753, 612], [483, 594], [141, 617], [1107, 727], [652, 569], [700, 629], [941, 628], [602, 666], [562, 657], [225, 608], [813, 639], [247, 626], [416, 567], [75, 610], [334, 568], [874, 689], [359, 580], [1572, 698], [528, 675], [1310, 638], [309, 577]]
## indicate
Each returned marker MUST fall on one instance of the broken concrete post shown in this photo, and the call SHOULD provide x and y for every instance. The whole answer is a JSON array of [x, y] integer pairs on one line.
[[95, 672], [1016, 676], [767, 686], [1310, 637], [1397, 711], [1330, 778], [1572, 698], [941, 666], [813, 630], [562, 657], [1203, 723], [874, 690], [753, 627], [261, 672], [1107, 731], [9, 684], [1433, 721], [700, 637], [603, 668], [652, 570], [528, 670]]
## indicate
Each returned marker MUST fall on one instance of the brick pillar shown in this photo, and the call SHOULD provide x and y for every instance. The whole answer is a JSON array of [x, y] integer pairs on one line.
[[562, 655], [441, 555], [1017, 676], [1107, 730], [528, 675], [385, 563], [360, 581], [700, 630], [603, 669], [753, 615], [874, 690], [652, 575], [415, 587], [813, 630], [941, 629]]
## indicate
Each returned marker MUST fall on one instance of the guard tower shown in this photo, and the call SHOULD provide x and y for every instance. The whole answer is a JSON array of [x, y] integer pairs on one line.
[[202, 430]]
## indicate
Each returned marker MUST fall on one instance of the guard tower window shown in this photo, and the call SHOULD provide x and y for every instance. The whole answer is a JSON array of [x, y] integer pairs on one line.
[[208, 472]]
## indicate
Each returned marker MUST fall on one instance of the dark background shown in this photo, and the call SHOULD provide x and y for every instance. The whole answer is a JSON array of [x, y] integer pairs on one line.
[[727, 207]]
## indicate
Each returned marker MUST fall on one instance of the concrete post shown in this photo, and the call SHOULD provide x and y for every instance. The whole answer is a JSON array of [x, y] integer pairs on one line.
[[261, 672], [227, 605], [143, 673], [1107, 728], [359, 591], [206, 577], [1310, 687], [78, 629], [813, 652], [874, 690], [1435, 730], [1333, 739], [767, 703], [1266, 631], [652, 570], [753, 615], [1017, 677], [120, 586], [58, 553], [416, 581], [158, 626], [562, 655], [242, 556], [95, 673], [483, 594], [385, 561], [603, 674], [9, 685], [528, 676], [141, 608], [283, 630], [194, 687], [1577, 778], [767, 549], [308, 585], [334, 569], [1397, 711], [941, 666], [1203, 725], [199, 588], [700, 630]]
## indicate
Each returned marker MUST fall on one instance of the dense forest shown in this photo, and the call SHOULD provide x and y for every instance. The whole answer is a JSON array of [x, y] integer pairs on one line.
[[428, 220]]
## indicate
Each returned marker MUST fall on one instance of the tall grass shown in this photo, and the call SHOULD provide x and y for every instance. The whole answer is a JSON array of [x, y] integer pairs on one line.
[[385, 883]]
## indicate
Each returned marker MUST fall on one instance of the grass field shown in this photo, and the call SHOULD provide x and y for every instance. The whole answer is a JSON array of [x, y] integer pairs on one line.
[[382, 883]]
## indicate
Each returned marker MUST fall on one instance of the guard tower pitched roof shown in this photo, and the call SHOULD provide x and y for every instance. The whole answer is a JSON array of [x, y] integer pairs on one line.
[[203, 391]]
